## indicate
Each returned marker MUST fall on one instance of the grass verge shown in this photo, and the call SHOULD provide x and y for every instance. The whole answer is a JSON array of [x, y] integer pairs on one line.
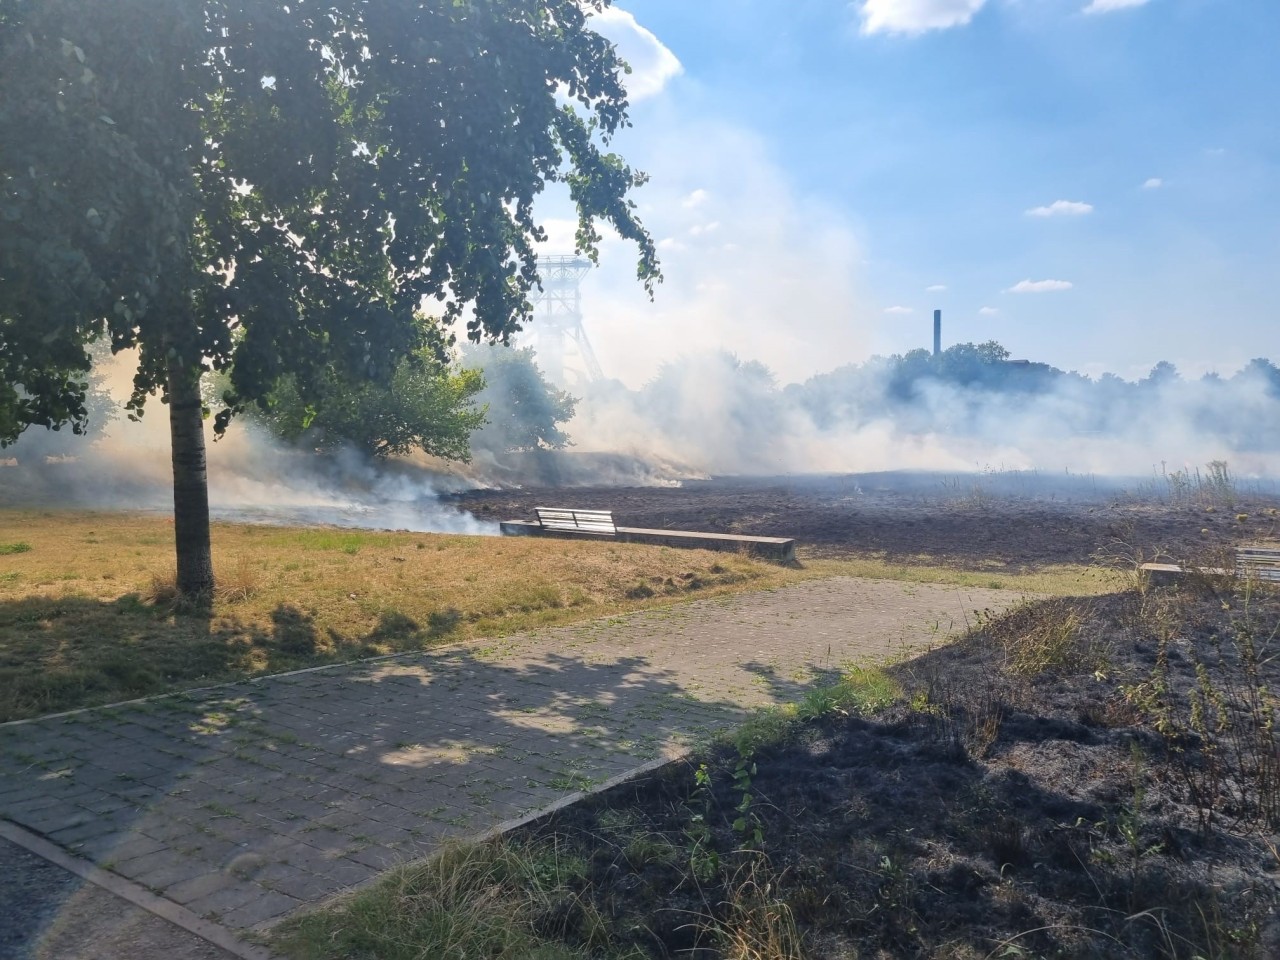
[[499, 901], [88, 612]]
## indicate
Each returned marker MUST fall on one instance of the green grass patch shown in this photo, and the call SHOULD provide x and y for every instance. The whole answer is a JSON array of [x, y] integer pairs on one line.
[[494, 900], [863, 690], [8, 549], [337, 541]]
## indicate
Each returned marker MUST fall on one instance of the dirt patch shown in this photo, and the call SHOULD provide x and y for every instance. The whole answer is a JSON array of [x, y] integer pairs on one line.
[[900, 517], [1081, 778]]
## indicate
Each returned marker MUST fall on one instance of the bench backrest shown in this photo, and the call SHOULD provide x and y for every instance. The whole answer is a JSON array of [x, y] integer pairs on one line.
[[1260, 562], [587, 521]]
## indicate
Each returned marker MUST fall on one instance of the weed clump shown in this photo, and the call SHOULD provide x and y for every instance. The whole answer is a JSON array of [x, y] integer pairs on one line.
[[496, 900]]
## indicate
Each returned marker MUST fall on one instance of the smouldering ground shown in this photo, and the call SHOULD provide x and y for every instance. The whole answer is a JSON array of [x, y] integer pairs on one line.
[[1003, 522]]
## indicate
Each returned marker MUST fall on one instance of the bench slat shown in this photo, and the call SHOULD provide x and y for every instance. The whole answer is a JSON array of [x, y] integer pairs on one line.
[[587, 521]]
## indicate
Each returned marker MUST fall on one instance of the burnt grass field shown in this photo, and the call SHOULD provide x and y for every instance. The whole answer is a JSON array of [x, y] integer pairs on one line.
[[1007, 520], [1083, 777]]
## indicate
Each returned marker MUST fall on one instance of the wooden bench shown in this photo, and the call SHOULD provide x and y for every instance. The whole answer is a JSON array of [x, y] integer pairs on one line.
[[599, 522], [1254, 561], [1261, 563], [568, 523]]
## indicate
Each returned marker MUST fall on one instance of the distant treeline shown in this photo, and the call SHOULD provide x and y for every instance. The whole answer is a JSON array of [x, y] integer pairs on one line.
[[723, 414], [971, 388]]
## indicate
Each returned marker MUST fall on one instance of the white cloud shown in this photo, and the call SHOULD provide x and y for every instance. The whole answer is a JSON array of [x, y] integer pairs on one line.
[[1039, 286], [988, 312], [898, 310], [916, 16], [698, 229], [695, 199], [652, 63], [1108, 6], [1153, 183], [936, 288], [1062, 208]]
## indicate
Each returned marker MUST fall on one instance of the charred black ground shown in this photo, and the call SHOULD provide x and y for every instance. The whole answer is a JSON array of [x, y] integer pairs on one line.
[[1009, 520]]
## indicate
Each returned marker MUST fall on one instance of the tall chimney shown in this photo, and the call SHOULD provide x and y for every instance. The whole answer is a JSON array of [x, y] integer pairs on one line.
[[937, 332]]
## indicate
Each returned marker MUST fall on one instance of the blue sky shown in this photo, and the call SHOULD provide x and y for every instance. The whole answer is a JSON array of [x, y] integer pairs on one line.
[[1099, 190]]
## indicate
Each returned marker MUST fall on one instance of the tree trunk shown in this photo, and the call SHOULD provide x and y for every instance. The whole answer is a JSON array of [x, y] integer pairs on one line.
[[190, 482]]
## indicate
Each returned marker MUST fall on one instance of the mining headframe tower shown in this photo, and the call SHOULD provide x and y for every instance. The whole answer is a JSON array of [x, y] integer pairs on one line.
[[557, 331]]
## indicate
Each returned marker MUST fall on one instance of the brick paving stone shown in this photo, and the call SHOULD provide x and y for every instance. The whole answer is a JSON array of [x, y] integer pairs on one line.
[[257, 836], [212, 906], [139, 793], [379, 833], [212, 849], [87, 829], [266, 792], [162, 828], [94, 848], [346, 872], [340, 819], [105, 804], [202, 887], [296, 852], [267, 905], [378, 857], [138, 845], [158, 871], [50, 819], [35, 798], [299, 884]]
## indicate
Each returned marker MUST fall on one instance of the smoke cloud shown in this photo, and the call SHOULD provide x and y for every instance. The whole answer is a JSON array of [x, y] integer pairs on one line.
[[750, 263], [715, 414], [125, 465]]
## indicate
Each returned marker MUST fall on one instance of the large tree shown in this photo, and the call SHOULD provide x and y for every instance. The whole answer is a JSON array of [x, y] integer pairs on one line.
[[275, 188]]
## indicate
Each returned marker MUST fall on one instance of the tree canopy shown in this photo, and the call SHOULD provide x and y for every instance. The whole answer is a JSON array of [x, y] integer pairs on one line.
[[427, 406], [523, 410], [275, 190]]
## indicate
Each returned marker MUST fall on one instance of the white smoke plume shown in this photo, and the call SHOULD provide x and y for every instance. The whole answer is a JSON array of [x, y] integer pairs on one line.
[[715, 414], [251, 478]]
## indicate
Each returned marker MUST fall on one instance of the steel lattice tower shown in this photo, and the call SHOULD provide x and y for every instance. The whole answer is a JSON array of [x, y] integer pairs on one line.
[[557, 319]]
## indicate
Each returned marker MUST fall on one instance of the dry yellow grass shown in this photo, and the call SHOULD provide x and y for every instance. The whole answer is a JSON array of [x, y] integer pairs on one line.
[[87, 613]]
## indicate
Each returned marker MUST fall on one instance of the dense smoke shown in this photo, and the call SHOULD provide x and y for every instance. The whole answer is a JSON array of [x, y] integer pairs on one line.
[[968, 409], [250, 479], [120, 464]]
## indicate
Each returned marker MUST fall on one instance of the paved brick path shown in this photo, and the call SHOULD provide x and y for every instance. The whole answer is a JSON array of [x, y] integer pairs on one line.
[[245, 802]]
